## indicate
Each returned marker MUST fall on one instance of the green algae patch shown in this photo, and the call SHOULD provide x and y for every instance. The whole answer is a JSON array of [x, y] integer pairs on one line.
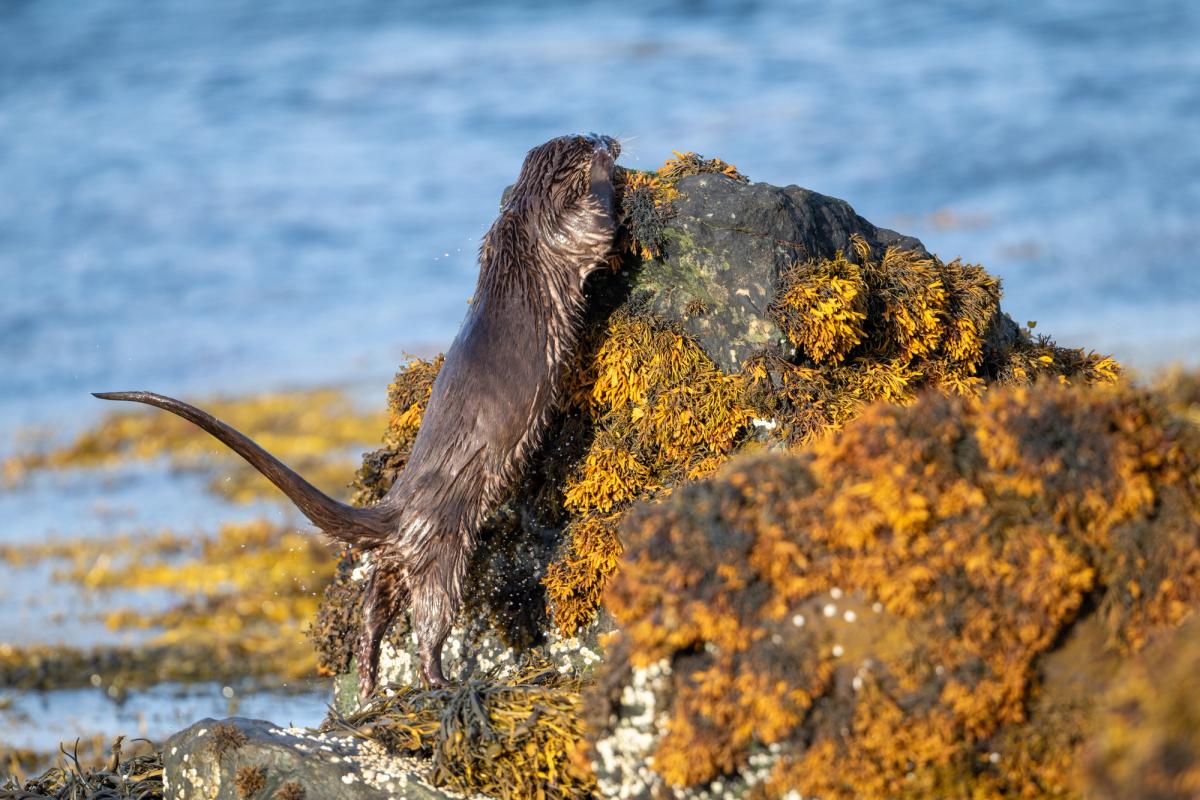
[[310, 430]]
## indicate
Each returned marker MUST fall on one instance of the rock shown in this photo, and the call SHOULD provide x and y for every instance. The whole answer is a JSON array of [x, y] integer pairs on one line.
[[932, 602], [727, 245], [211, 758], [767, 317], [1147, 741]]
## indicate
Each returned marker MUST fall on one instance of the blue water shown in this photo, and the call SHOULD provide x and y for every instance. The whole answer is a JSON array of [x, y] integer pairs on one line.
[[230, 196], [221, 195]]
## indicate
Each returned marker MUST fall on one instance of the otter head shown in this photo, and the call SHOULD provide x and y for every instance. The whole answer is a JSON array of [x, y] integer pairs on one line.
[[562, 204]]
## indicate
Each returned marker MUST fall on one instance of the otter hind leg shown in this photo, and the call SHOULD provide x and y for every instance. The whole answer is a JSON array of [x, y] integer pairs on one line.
[[432, 617], [387, 591], [436, 594]]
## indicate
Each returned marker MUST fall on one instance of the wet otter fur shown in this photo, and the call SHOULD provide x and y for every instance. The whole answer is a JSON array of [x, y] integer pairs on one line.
[[489, 405]]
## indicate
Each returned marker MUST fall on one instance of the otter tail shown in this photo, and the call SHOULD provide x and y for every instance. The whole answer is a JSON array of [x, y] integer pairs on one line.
[[364, 527]]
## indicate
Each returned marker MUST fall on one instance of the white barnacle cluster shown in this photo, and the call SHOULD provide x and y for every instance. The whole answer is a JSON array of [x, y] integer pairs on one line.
[[196, 778], [623, 763], [474, 649], [364, 761], [397, 664], [738, 785]]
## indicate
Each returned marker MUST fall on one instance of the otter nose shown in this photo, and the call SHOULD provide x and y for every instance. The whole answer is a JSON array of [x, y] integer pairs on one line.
[[607, 142]]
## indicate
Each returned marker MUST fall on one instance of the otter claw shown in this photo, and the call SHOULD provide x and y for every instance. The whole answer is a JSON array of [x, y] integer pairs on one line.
[[434, 679]]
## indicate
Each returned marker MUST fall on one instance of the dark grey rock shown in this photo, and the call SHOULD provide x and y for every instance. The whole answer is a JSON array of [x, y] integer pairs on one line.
[[726, 247], [328, 767]]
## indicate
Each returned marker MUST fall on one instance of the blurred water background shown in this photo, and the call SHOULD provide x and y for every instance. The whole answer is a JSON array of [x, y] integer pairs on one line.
[[227, 197]]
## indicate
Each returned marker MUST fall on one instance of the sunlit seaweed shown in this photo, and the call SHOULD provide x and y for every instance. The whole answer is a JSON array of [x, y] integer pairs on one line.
[[250, 591], [884, 329], [651, 412], [310, 429], [662, 413], [877, 330], [964, 536], [645, 207], [515, 739], [689, 163], [120, 668], [247, 594]]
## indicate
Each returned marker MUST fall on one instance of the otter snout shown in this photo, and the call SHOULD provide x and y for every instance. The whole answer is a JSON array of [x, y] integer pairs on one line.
[[605, 143], [605, 150], [602, 162]]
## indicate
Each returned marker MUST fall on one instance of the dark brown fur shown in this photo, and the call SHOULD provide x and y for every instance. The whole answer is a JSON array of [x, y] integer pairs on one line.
[[490, 403]]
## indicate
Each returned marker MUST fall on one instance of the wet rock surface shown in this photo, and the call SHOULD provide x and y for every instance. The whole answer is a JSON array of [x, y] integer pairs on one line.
[[235, 759]]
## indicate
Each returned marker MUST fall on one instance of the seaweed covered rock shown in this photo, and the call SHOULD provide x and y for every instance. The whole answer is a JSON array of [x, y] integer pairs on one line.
[[727, 249], [878, 615], [1147, 741], [740, 317]]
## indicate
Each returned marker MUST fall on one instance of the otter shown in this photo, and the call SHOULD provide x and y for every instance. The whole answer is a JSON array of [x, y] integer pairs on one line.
[[489, 405]]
